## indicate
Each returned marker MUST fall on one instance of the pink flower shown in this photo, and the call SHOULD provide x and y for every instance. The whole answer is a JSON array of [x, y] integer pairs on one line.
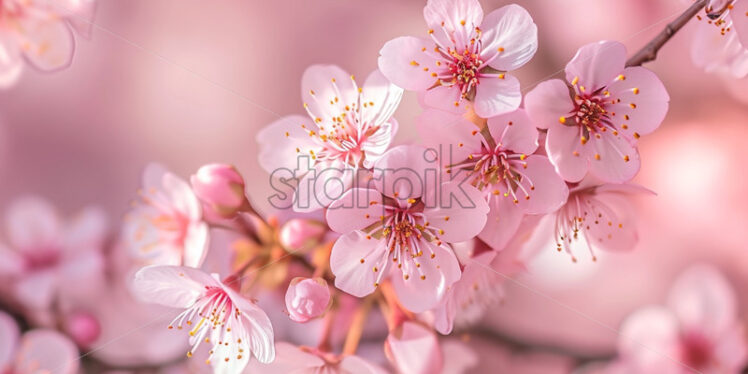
[[466, 57], [167, 227], [300, 233], [213, 313], [598, 217], [698, 331], [39, 32], [83, 328], [412, 348], [401, 229], [49, 258], [37, 351], [348, 128], [293, 359], [511, 178], [594, 120], [220, 188], [307, 298], [719, 43]]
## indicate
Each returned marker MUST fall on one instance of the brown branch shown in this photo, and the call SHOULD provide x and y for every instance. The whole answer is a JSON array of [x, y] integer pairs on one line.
[[649, 52]]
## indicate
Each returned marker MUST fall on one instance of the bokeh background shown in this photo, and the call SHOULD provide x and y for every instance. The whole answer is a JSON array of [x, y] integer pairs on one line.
[[188, 82]]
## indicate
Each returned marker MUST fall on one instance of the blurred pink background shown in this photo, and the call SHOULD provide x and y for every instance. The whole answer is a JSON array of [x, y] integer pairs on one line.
[[184, 83]]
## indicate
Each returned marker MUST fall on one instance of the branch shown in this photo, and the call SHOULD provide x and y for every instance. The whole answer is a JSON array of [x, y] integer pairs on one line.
[[649, 52]]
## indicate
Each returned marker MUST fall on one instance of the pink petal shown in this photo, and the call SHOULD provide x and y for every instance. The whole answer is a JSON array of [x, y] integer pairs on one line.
[[82, 272], [402, 171], [546, 189], [453, 135], [260, 329], [384, 95], [351, 274], [453, 22], [597, 64], [307, 298], [174, 286], [47, 351], [548, 102], [457, 210], [646, 92], [468, 358], [32, 223], [49, 44], [494, 96], [323, 185], [703, 301], [414, 349], [402, 61], [439, 273], [326, 90], [512, 29], [181, 197], [502, 222], [446, 98], [196, 244], [355, 364], [12, 263], [566, 152], [614, 227], [648, 337], [357, 209], [280, 140], [11, 64], [37, 290], [618, 159], [379, 142], [739, 16], [79, 14], [514, 131], [716, 53], [9, 334], [289, 358], [87, 230]]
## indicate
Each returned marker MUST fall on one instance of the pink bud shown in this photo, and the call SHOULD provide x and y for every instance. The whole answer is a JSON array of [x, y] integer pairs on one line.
[[300, 233], [307, 298], [220, 188], [83, 328]]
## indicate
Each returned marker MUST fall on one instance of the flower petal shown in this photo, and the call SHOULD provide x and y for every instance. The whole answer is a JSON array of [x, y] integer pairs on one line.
[[453, 22], [739, 16], [12, 263], [196, 244], [379, 98], [49, 44], [548, 102], [357, 209], [502, 222], [597, 64], [446, 98], [494, 96], [402, 172], [174, 286], [32, 223], [87, 230], [9, 335], [326, 183], [426, 285], [612, 158], [47, 351], [514, 131], [352, 259], [510, 32], [453, 135], [414, 349], [643, 102], [283, 141], [37, 290], [613, 226], [259, 327], [11, 63], [355, 364], [651, 336], [546, 189], [566, 152], [457, 210], [403, 61], [326, 90]]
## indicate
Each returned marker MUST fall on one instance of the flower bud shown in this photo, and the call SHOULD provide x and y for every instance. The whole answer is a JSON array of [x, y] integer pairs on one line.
[[220, 188], [307, 298], [83, 328], [299, 233]]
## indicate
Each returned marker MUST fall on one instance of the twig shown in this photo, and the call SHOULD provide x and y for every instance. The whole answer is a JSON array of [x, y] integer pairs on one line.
[[649, 52]]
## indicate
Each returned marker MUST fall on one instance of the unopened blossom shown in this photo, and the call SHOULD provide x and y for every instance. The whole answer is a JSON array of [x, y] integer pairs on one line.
[[465, 57], [698, 331], [401, 230], [291, 359], [36, 351], [502, 165], [166, 226], [595, 118], [307, 298], [220, 188], [84, 328], [48, 257], [214, 314], [301, 233], [40, 33], [347, 129]]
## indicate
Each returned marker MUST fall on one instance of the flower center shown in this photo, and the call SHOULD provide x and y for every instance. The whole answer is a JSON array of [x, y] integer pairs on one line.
[[464, 69], [697, 350], [42, 258], [496, 170], [717, 12]]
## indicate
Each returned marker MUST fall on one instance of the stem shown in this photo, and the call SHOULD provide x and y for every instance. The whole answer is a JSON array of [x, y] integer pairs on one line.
[[357, 326], [649, 52], [329, 321]]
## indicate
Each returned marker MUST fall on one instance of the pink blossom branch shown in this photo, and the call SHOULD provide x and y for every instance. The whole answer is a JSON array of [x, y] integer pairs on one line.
[[649, 52]]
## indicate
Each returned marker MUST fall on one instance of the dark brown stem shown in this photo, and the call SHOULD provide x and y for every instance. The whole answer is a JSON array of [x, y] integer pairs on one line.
[[649, 52]]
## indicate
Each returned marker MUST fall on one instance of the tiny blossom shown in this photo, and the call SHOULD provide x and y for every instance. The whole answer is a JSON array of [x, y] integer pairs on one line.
[[698, 331], [307, 298], [301, 233], [36, 351], [465, 58], [213, 313], [595, 118], [298, 360], [512, 179], [348, 129], [167, 228], [401, 229], [220, 188], [40, 32]]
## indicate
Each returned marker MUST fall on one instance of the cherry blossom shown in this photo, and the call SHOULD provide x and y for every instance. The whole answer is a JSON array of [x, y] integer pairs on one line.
[[307, 298], [595, 118], [301, 360], [465, 58], [220, 188], [401, 229], [347, 129], [36, 351], [414, 348], [214, 314], [698, 331], [166, 228], [41, 33], [49, 258], [513, 180]]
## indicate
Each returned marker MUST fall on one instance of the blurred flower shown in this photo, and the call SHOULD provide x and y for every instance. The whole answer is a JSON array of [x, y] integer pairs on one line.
[[167, 227], [39, 32], [37, 351], [214, 313], [349, 127], [293, 359], [400, 230], [698, 331], [49, 258], [220, 188], [594, 124], [512, 179], [83, 328], [300, 233], [307, 298], [466, 57], [721, 37], [413, 348]]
